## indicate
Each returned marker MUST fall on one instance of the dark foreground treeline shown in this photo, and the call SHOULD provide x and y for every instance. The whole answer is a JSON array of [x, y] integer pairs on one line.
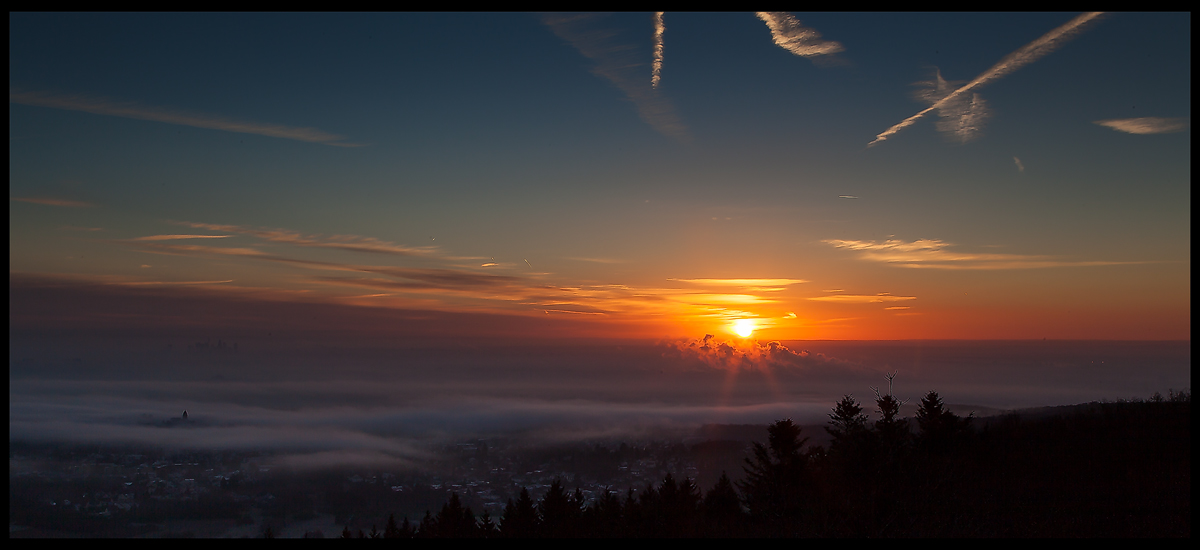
[[1104, 469]]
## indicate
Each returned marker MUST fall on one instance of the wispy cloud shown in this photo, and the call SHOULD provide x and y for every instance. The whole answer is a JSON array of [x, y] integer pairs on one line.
[[491, 287], [863, 298], [619, 63], [1020, 166], [934, 254], [129, 109], [178, 237], [659, 29], [53, 202], [790, 35], [960, 118], [743, 282], [595, 260], [170, 283], [1025, 55], [1146, 125], [353, 243]]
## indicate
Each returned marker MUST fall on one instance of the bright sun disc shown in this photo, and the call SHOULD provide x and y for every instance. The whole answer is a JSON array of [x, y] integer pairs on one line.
[[743, 327]]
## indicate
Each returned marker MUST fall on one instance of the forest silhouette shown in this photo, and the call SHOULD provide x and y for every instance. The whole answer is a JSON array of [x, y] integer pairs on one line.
[[1102, 469]]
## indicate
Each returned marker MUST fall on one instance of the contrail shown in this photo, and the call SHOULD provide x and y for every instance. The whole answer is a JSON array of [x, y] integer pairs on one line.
[[1028, 54], [133, 110], [790, 35], [659, 29]]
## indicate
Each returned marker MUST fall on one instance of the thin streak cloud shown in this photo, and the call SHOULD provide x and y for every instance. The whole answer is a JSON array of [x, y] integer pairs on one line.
[[863, 298], [1025, 55], [177, 237], [933, 254], [353, 243], [743, 282], [789, 34], [171, 283], [659, 29], [1146, 125], [129, 109], [1020, 166], [52, 202], [619, 63]]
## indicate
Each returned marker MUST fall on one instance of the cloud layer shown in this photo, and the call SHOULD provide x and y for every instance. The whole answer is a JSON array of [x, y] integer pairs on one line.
[[935, 254], [129, 109], [1146, 125], [45, 201]]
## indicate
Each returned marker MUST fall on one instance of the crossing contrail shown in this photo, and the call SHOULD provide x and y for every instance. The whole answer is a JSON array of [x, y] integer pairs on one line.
[[1027, 54], [659, 29]]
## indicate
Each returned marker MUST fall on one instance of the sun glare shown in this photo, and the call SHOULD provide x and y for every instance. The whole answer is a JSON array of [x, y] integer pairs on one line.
[[743, 327]]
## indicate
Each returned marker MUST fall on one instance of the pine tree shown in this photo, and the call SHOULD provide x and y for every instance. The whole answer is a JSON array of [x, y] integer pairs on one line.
[[891, 429], [391, 531], [940, 428], [520, 518], [487, 527], [454, 521], [846, 421], [558, 513], [775, 486], [428, 528], [723, 509], [604, 517]]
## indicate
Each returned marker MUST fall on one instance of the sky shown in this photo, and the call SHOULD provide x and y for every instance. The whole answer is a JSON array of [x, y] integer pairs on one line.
[[395, 180]]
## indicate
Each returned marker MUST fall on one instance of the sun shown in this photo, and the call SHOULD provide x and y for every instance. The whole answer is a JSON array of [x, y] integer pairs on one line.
[[743, 327]]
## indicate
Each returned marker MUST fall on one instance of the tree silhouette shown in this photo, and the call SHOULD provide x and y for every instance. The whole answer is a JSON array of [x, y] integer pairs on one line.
[[775, 485], [940, 428], [675, 510], [520, 519], [891, 429], [559, 513], [848, 427], [604, 517], [454, 521], [723, 513], [487, 527]]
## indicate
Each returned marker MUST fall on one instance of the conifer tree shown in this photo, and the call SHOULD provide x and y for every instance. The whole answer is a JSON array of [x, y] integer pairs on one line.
[[940, 428], [520, 518], [558, 513], [775, 486], [454, 521], [891, 430], [487, 527], [604, 517], [428, 528], [723, 509], [846, 421], [391, 531]]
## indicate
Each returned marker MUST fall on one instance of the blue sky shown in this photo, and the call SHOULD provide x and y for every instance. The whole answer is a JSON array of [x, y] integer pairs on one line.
[[538, 144]]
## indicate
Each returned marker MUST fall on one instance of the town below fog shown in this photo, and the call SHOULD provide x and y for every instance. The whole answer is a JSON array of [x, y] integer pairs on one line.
[[128, 492]]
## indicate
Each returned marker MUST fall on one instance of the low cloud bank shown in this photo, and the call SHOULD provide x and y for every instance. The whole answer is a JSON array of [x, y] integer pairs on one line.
[[746, 355]]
